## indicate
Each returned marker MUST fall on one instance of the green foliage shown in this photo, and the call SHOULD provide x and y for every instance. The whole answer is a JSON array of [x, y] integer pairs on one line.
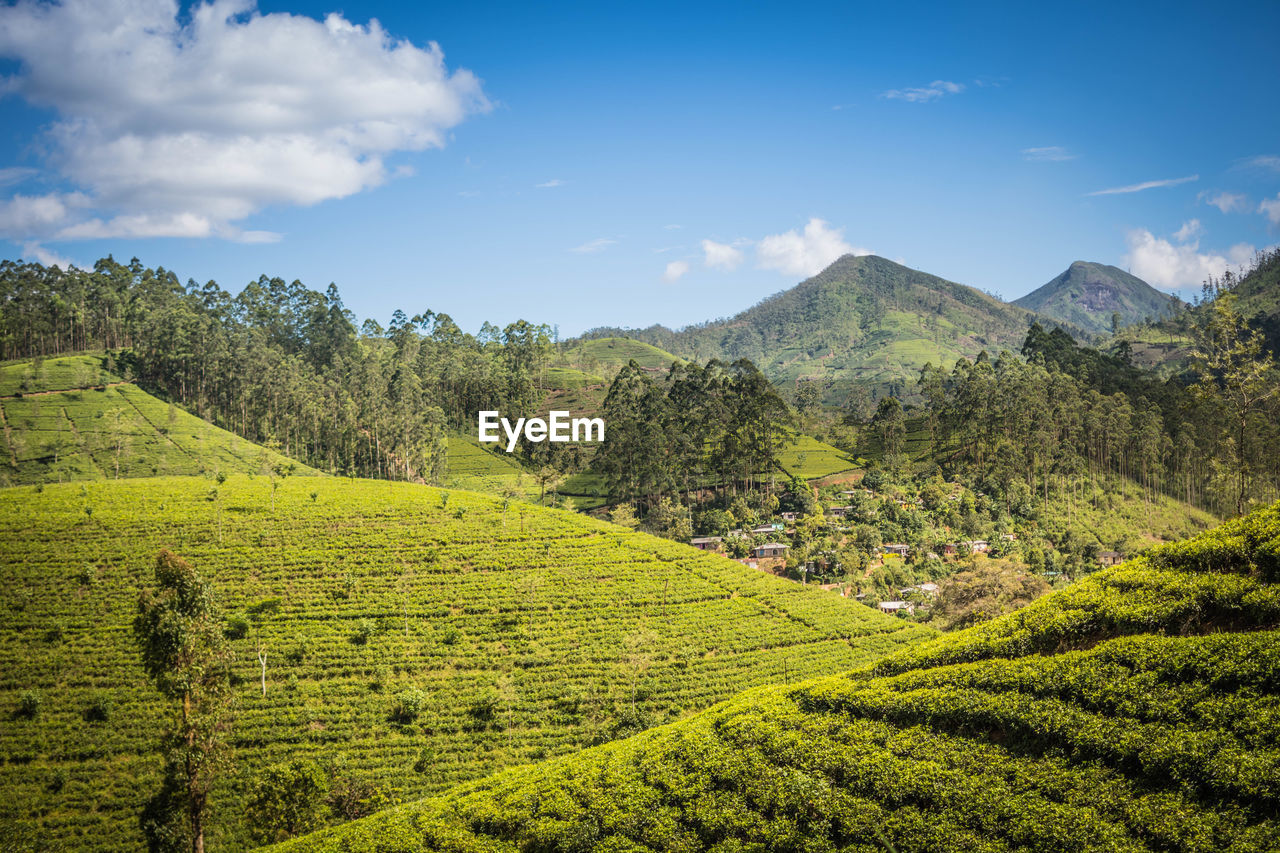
[[29, 704], [1131, 741], [457, 604], [178, 631], [237, 627], [288, 800], [409, 704], [105, 429]]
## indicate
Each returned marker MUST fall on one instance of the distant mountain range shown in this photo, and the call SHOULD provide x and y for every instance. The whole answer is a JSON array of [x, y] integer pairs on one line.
[[864, 320], [1090, 296], [867, 320]]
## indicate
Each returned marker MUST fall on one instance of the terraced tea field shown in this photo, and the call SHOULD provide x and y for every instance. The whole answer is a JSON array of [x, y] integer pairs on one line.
[[608, 355], [1133, 711], [473, 467], [810, 459], [71, 419], [521, 634]]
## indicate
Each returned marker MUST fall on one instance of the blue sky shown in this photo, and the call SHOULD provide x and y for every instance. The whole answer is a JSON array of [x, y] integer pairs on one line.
[[611, 164]]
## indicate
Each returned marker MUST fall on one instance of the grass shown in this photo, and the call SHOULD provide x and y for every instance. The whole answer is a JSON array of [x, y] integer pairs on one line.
[[70, 419], [1133, 711], [571, 630]]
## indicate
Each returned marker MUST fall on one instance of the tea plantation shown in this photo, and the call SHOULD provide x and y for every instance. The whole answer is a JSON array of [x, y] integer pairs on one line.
[[1138, 710], [72, 419], [415, 639]]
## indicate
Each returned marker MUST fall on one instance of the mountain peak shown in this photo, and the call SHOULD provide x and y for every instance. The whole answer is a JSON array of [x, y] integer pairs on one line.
[[1087, 294]]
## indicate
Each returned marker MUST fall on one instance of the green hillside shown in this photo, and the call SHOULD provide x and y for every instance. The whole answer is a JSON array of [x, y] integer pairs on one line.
[[1133, 711], [473, 466], [811, 459], [861, 320], [1087, 295], [71, 418], [608, 354], [513, 634]]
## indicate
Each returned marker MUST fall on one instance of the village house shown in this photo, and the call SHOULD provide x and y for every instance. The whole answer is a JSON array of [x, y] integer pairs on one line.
[[765, 529], [838, 511], [929, 588], [978, 546], [896, 607], [706, 543], [790, 516], [770, 549], [1110, 558], [896, 548]]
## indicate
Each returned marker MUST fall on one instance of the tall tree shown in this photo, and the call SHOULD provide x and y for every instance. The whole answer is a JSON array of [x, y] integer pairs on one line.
[[1235, 376], [179, 633]]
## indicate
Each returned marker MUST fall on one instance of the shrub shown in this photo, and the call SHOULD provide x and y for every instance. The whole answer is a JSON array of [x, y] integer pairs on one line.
[[409, 703], [29, 704], [237, 626], [300, 651], [99, 709], [365, 630], [288, 800]]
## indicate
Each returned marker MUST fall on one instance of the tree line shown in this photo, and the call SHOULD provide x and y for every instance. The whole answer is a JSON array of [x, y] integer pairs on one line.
[[1063, 416], [716, 426], [281, 363]]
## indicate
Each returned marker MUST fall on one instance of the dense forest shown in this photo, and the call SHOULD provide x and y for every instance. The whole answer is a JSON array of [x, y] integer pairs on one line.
[[279, 363]]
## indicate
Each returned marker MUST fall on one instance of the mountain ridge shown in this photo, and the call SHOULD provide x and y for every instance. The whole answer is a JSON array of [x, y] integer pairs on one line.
[[863, 319], [1087, 295]]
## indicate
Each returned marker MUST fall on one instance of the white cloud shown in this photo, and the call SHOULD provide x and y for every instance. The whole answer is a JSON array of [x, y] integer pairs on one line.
[[672, 227], [923, 94], [203, 122], [720, 255], [804, 253], [1269, 162], [592, 246], [674, 271], [25, 216], [1224, 201], [1047, 154], [554, 182], [15, 175], [36, 252], [1180, 264], [1271, 207], [1189, 231], [1147, 185]]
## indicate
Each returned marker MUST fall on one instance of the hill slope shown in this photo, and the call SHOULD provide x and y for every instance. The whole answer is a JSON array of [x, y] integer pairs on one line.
[[1086, 295], [1133, 711], [71, 418], [862, 319], [528, 632]]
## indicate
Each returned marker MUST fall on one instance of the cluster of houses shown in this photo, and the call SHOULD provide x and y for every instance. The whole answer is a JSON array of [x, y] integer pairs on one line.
[[768, 550], [904, 606]]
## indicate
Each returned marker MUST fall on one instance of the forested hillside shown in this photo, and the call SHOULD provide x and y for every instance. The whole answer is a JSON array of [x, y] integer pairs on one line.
[[1133, 711], [279, 362], [393, 638], [862, 320]]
